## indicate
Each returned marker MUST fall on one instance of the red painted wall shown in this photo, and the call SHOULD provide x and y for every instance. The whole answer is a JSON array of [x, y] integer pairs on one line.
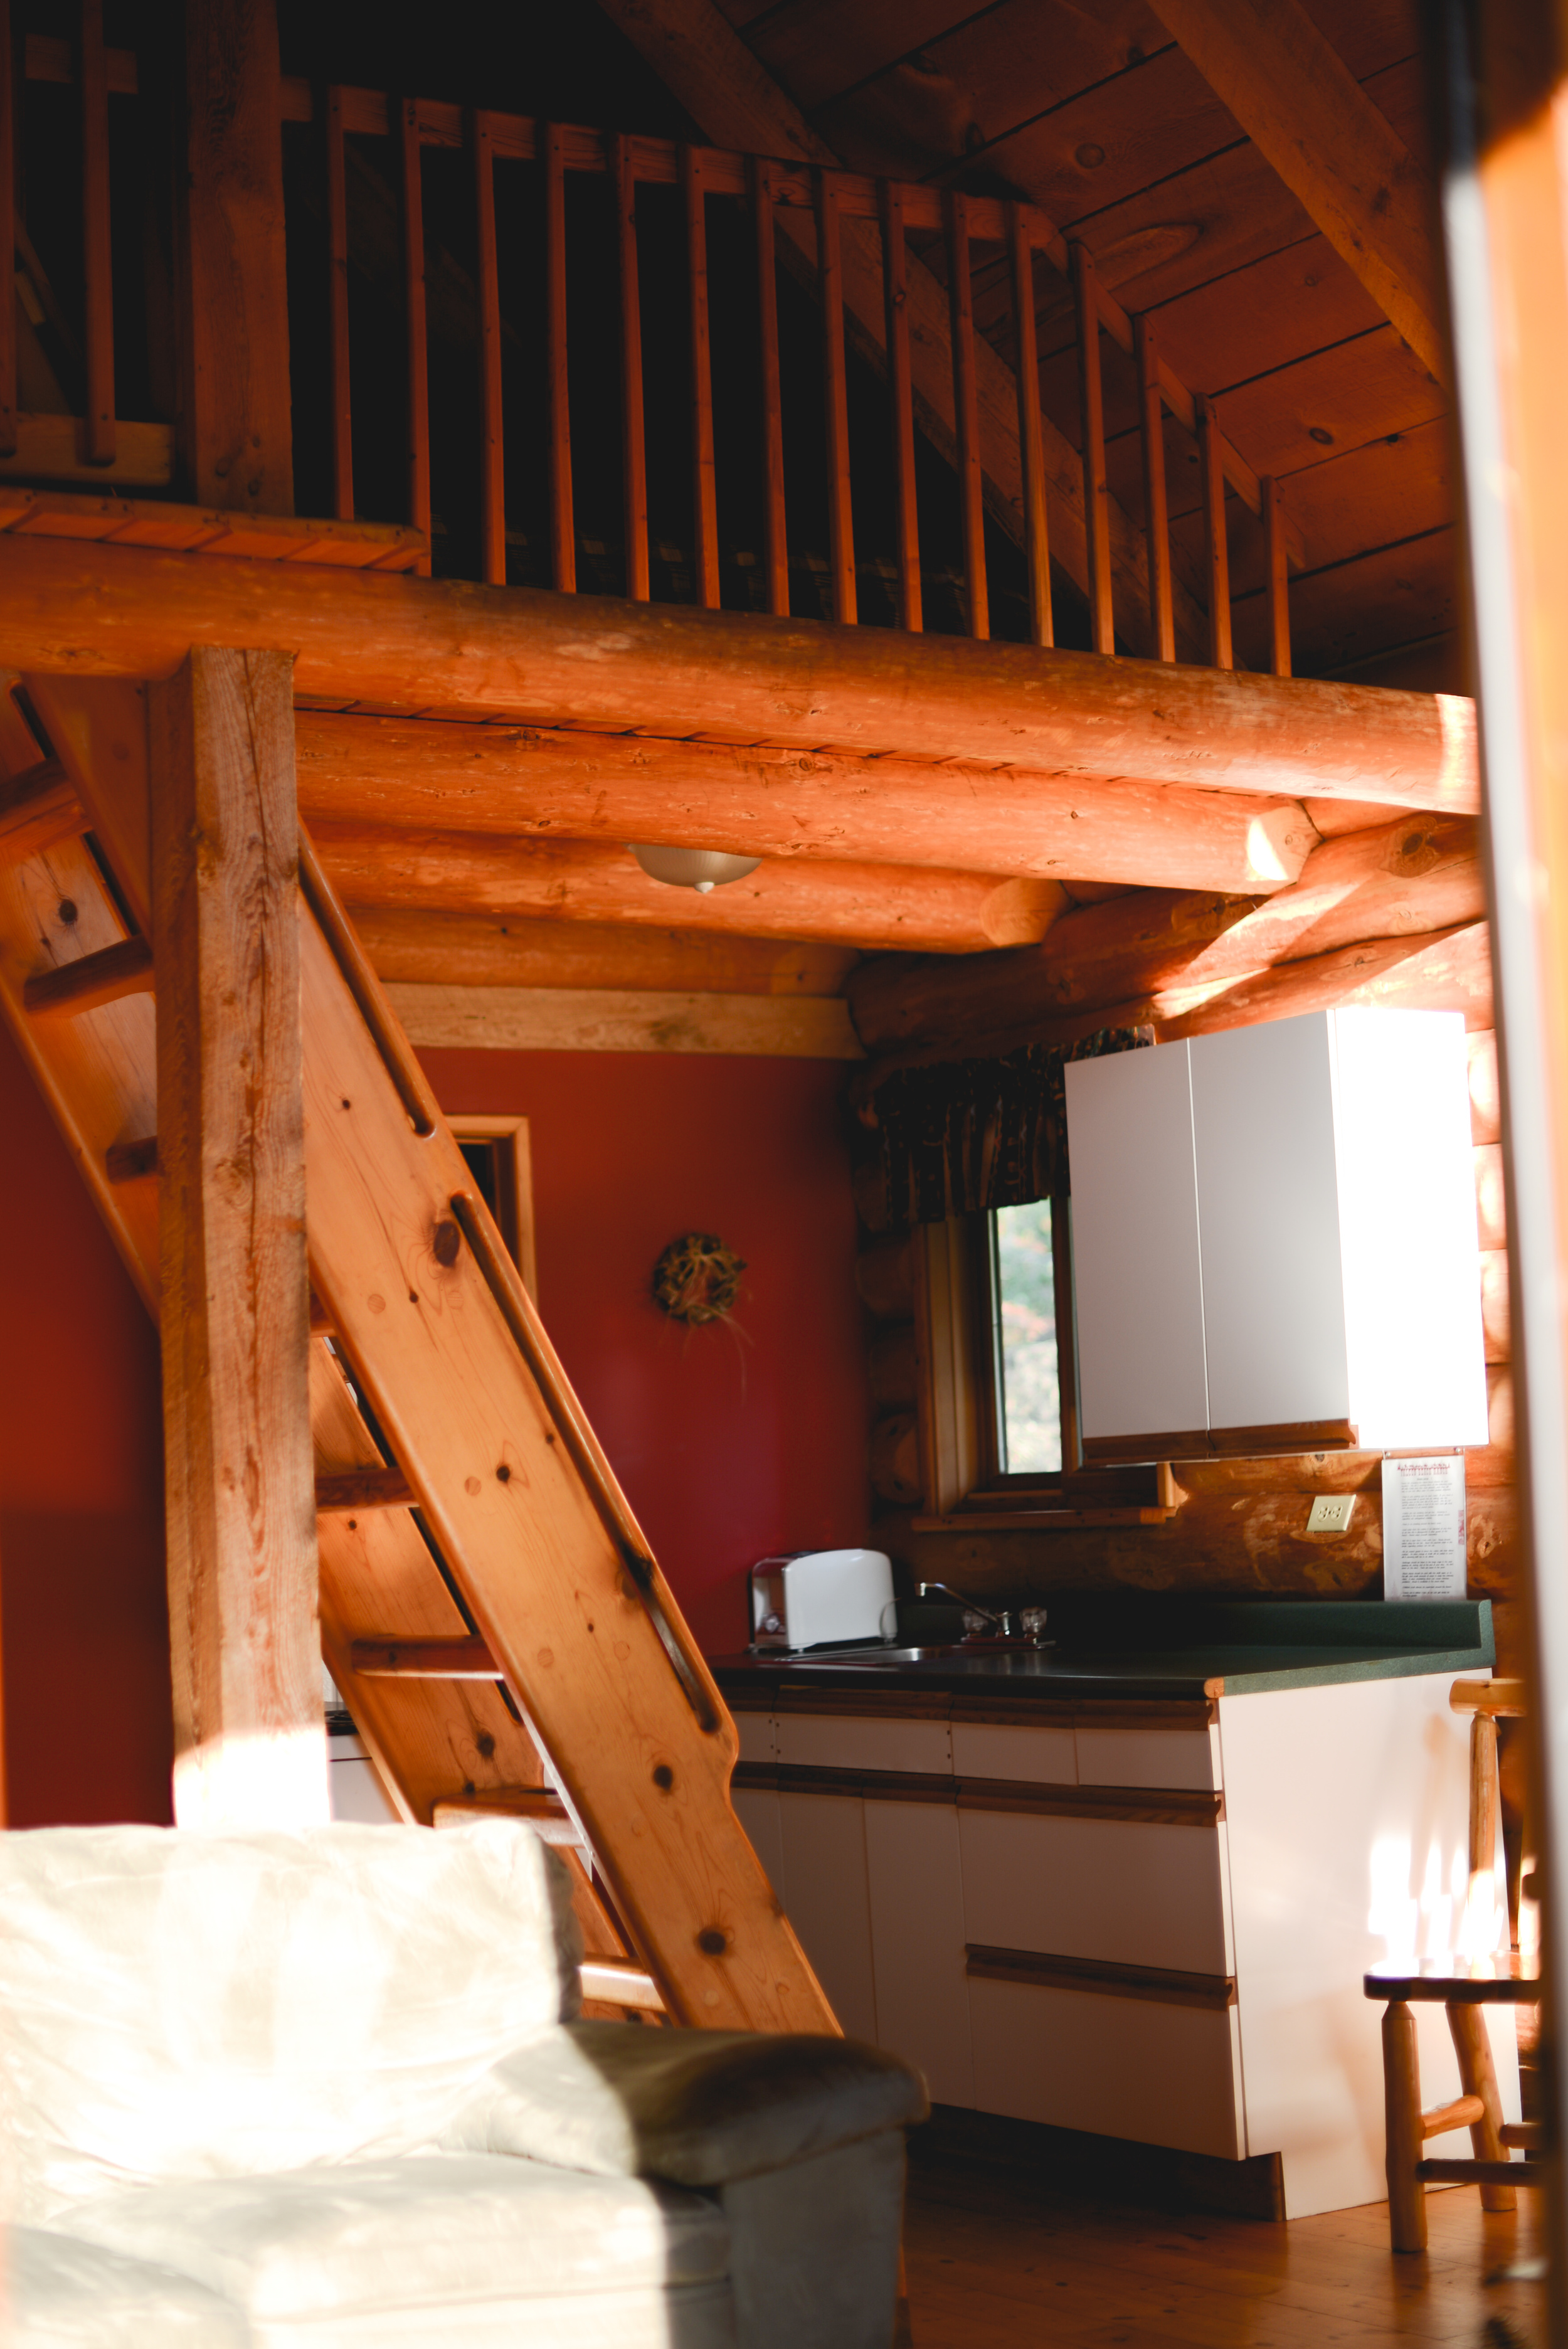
[[83, 1626], [730, 1444]]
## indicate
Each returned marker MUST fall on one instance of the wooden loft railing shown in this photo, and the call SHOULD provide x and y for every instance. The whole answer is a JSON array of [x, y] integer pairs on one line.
[[1005, 262]]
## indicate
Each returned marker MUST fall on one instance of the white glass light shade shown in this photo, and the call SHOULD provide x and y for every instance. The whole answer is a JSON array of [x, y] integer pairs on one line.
[[701, 869]]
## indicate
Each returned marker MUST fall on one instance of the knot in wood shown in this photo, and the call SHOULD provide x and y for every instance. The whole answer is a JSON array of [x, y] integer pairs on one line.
[[448, 1241]]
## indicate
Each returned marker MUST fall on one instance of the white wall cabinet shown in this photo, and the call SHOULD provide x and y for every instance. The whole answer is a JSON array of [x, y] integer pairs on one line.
[[1274, 1237]]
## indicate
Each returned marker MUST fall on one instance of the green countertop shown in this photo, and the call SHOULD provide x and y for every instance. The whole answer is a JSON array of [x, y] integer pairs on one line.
[[1178, 1649]]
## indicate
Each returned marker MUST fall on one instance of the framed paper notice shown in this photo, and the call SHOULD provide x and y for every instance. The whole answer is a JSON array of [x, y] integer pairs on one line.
[[1424, 1527]]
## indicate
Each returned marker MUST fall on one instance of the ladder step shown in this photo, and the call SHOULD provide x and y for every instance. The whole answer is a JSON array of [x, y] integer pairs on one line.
[[37, 811], [545, 1812], [423, 1660], [363, 1489], [97, 978], [321, 1321], [620, 1981], [130, 1161]]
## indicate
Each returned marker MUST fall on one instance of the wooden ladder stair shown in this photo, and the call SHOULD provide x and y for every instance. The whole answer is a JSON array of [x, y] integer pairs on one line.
[[513, 1645]]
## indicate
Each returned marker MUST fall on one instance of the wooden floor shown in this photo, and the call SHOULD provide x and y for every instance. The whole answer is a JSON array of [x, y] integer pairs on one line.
[[998, 2254]]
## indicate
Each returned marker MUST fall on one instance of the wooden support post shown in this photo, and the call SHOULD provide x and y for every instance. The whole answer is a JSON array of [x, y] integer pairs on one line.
[[563, 531], [337, 310], [235, 410], [1096, 494], [249, 1745], [1276, 557], [1478, 2077], [776, 543], [7, 232], [1156, 510], [492, 423], [633, 452], [965, 406], [1031, 439], [417, 358], [704, 487], [1216, 546], [92, 77], [835, 398], [1402, 2127], [900, 394]]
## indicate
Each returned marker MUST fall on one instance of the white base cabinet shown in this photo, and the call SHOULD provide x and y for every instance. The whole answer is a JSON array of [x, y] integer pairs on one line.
[[1147, 1922]]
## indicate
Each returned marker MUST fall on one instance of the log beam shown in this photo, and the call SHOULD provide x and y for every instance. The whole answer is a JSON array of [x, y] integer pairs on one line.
[[250, 1744], [449, 648], [1304, 111], [598, 880], [802, 806]]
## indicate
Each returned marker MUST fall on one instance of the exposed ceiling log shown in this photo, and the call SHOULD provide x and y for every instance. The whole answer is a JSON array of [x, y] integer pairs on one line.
[[1400, 880], [704, 62], [608, 1020], [1304, 111], [801, 806], [453, 649], [420, 945], [599, 881]]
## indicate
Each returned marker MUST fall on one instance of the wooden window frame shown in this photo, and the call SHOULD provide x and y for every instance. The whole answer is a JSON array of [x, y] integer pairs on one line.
[[957, 1356], [516, 1167]]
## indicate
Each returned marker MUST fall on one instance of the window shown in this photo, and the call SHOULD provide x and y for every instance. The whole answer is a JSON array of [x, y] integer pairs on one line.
[[495, 1150], [997, 1424]]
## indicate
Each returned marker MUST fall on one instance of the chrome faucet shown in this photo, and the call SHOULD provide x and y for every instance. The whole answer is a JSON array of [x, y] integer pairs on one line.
[[975, 1614]]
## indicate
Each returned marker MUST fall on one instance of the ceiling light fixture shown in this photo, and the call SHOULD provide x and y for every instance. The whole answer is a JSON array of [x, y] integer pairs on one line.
[[701, 869]]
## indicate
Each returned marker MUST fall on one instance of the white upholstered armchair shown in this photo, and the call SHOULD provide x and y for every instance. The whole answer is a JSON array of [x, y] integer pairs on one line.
[[326, 2090]]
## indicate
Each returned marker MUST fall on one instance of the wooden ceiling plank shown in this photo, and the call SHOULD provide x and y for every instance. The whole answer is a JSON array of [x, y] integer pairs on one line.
[[816, 48], [1392, 596], [1357, 392], [1303, 110], [600, 661], [604, 1020]]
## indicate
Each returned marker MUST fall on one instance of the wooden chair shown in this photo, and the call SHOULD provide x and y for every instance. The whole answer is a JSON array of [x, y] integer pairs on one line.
[[1479, 2106]]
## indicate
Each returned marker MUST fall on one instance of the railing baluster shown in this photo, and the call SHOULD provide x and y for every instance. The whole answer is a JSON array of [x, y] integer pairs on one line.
[[836, 397], [776, 542], [1031, 439], [634, 450], [901, 392], [563, 533], [1157, 512], [705, 491], [1096, 496], [98, 269], [418, 399], [338, 311], [1215, 546], [7, 235], [492, 414], [961, 304], [1278, 561]]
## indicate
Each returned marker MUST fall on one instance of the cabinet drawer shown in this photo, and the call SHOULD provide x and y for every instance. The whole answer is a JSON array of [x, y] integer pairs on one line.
[[1134, 1892], [756, 1733], [1119, 2067], [1148, 1757], [848, 1742], [1044, 1757]]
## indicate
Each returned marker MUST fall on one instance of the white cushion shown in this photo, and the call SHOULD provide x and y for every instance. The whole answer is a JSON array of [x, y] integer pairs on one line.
[[57, 2294], [418, 2233], [181, 2004]]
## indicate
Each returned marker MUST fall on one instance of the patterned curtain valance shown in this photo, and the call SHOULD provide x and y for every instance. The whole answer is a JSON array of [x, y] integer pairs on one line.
[[962, 1135]]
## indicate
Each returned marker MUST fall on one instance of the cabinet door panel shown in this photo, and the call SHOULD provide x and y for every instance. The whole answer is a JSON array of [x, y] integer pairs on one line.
[[1136, 1281], [917, 1942], [1132, 1891], [755, 1730], [1148, 1757], [757, 1808], [1268, 1209], [825, 1898], [849, 1742], [1120, 2067], [1044, 1757]]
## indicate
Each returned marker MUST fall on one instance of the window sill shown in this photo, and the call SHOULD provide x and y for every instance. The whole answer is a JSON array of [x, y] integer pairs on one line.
[[1038, 1521]]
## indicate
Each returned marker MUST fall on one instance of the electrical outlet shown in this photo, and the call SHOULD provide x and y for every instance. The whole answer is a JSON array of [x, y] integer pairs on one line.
[[1330, 1513]]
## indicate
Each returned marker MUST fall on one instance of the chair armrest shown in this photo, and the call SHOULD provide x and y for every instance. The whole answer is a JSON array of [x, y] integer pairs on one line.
[[699, 2108]]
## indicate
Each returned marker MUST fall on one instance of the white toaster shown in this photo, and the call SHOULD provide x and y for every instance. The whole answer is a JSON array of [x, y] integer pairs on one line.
[[819, 1597]]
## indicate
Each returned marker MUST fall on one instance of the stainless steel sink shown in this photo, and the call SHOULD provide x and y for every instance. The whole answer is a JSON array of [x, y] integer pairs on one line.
[[857, 1659]]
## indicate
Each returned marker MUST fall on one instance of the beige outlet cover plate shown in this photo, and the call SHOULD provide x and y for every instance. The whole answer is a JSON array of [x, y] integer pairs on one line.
[[1330, 1513]]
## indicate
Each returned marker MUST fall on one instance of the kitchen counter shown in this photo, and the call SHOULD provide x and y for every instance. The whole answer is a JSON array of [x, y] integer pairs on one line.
[[1163, 1651]]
